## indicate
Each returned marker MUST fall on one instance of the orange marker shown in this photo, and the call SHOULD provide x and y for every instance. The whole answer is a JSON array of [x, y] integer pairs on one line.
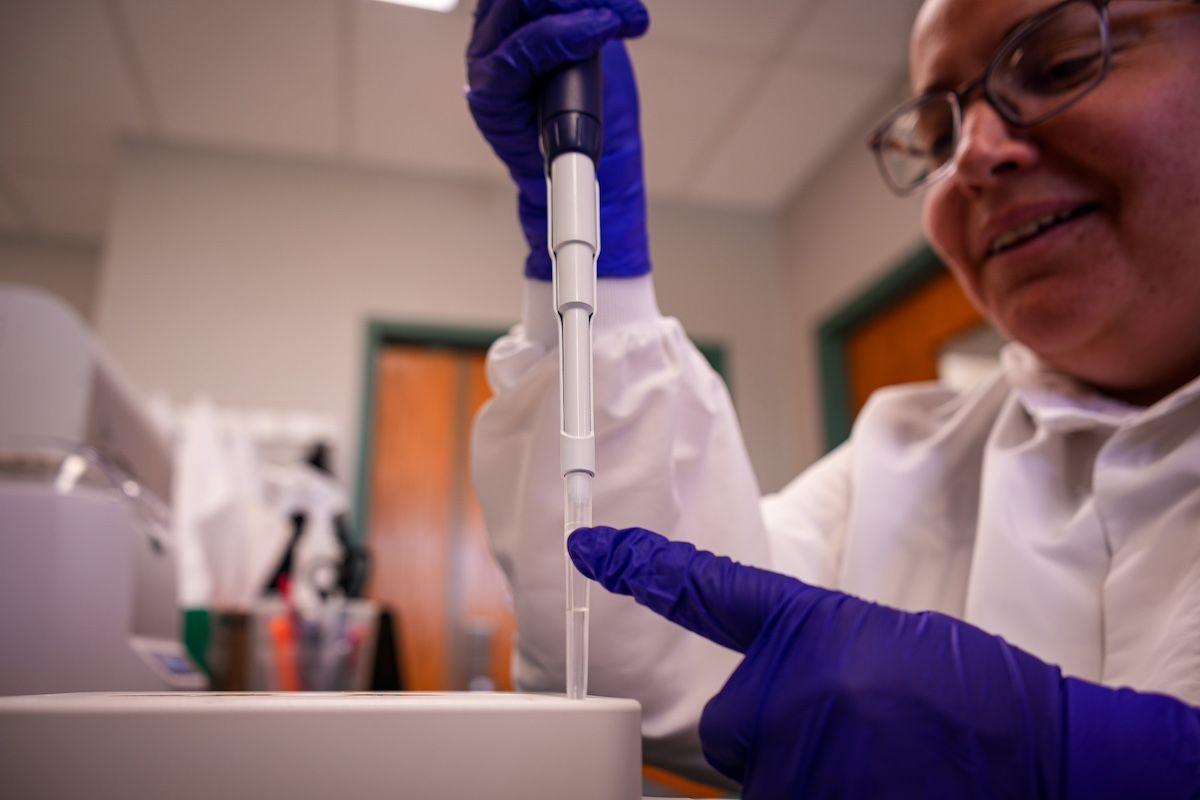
[[285, 654]]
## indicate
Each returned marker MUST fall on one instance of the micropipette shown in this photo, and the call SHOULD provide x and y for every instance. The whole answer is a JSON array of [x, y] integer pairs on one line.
[[570, 116]]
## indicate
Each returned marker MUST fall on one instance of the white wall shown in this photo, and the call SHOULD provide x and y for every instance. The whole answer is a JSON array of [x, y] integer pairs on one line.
[[62, 267], [250, 279], [843, 232], [720, 273]]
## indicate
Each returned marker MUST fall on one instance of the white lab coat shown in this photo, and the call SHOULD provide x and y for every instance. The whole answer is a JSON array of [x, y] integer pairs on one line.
[[1064, 521]]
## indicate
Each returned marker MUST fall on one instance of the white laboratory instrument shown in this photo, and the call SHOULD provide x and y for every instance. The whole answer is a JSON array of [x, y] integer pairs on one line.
[[87, 597], [312, 745], [60, 383], [571, 117]]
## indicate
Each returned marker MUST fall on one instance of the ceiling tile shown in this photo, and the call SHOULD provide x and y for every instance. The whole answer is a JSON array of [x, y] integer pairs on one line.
[[798, 119], [63, 90], [259, 74], [869, 33], [720, 27], [409, 78], [67, 200], [684, 97], [287, 76]]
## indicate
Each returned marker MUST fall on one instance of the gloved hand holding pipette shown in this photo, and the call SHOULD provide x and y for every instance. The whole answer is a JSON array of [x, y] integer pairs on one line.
[[516, 43], [552, 59], [838, 696]]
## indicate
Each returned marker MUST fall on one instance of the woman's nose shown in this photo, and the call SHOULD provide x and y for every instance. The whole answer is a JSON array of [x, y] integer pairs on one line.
[[989, 148]]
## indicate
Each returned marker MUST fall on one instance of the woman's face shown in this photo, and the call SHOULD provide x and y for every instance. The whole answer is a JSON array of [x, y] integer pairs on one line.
[[1113, 295]]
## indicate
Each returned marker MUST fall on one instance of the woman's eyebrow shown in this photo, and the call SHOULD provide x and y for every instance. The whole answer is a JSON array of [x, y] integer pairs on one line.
[[949, 86]]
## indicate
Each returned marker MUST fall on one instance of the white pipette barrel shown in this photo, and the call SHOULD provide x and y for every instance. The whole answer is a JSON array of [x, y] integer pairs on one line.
[[570, 116], [575, 243]]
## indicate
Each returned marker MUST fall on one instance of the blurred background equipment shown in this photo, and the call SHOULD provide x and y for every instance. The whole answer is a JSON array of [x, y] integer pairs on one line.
[[87, 590], [115, 514], [269, 567]]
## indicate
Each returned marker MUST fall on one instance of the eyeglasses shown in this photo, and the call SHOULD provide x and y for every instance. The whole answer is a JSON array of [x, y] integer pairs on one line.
[[1046, 65]]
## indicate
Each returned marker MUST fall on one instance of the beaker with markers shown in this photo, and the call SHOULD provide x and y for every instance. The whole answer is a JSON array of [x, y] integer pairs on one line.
[[328, 648]]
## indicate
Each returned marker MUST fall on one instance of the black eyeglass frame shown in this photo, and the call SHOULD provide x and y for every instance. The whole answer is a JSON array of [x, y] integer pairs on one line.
[[960, 98]]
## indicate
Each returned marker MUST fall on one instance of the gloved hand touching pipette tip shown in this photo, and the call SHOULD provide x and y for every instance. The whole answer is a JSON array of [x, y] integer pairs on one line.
[[840, 697], [513, 45]]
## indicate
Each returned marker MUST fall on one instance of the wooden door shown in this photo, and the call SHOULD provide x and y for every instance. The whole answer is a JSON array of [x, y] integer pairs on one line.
[[901, 343], [431, 561]]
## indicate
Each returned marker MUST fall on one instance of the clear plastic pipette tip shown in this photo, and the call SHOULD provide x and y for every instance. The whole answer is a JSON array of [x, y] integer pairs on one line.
[[578, 488]]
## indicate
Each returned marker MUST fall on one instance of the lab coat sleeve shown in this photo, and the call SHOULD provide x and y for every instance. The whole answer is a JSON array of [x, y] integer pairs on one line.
[[670, 458], [806, 521]]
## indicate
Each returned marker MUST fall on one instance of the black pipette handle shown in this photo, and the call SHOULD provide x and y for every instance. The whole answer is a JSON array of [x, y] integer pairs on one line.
[[571, 111]]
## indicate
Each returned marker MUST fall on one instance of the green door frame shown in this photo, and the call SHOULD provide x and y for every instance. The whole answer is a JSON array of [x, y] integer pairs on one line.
[[835, 331], [383, 333]]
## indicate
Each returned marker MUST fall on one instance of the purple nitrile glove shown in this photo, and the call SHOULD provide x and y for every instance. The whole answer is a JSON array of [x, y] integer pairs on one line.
[[838, 697], [514, 44]]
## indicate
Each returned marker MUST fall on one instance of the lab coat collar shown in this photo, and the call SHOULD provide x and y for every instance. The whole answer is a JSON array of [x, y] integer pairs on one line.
[[1062, 403]]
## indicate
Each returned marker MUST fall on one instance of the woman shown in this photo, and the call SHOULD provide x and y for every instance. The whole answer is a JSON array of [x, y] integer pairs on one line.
[[1055, 506]]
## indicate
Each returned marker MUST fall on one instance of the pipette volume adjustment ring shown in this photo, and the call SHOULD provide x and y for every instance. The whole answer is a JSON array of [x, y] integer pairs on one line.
[[571, 132], [571, 110]]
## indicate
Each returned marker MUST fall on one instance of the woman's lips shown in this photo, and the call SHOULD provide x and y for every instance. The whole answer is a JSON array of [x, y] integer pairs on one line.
[[1018, 230], [1038, 256]]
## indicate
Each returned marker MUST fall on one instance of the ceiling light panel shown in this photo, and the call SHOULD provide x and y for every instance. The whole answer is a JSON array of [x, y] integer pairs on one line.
[[430, 5]]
